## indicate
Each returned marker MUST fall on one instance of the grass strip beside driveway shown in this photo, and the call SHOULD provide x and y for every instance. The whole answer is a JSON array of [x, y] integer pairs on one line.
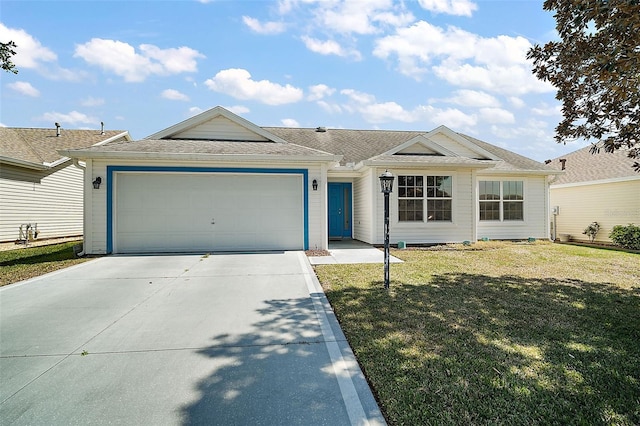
[[500, 333], [24, 263]]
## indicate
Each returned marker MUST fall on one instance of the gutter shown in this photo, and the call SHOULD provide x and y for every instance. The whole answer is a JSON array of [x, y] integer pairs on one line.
[[22, 163]]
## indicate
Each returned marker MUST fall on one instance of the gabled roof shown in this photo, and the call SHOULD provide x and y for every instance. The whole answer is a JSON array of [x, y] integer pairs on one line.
[[383, 147], [582, 166], [190, 125], [38, 148]]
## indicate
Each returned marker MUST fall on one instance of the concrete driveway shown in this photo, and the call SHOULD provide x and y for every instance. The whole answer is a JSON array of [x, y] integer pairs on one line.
[[180, 339]]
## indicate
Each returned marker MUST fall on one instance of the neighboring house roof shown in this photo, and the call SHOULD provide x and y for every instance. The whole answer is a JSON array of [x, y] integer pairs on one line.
[[583, 166], [38, 148]]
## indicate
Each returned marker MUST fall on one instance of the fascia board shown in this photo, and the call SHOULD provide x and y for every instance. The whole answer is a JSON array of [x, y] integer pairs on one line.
[[520, 172], [595, 182], [209, 115], [22, 163], [201, 157], [414, 165]]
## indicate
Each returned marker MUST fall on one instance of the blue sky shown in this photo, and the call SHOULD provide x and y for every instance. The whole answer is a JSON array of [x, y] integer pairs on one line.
[[143, 66]]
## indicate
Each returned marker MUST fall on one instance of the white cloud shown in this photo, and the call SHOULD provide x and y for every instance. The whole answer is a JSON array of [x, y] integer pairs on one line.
[[195, 111], [473, 98], [237, 83], [496, 115], [263, 28], [450, 7], [122, 59], [29, 52], [329, 47], [174, 95], [238, 109], [516, 101], [319, 91], [496, 64], [289, 122], [73, 118], [25, 88], [451, 117], [547, 110], [92, 102], [384, 112], [330, 108]]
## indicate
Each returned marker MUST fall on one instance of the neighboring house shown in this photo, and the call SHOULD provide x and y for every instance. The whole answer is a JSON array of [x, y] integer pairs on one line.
[[218, 182], [601, 188], [40, 186]]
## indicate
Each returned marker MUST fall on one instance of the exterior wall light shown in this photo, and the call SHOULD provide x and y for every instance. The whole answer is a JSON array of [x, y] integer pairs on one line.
[[314, 184], [97, 182]]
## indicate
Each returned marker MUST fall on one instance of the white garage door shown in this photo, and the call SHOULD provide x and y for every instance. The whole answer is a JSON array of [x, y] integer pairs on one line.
[[174, 212]]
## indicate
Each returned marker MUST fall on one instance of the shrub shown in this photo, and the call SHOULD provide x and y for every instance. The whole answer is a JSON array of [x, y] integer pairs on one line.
[[592, 230], [626, 236]]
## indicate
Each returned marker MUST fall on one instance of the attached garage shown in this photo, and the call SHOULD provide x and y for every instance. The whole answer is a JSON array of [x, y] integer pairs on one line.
[[156, 211]]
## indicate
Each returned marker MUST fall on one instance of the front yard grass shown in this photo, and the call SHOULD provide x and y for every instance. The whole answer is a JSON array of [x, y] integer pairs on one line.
[[24, 263], [499, 333]]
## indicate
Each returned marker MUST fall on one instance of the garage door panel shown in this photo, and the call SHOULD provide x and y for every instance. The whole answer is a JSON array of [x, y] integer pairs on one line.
[[165, 212]]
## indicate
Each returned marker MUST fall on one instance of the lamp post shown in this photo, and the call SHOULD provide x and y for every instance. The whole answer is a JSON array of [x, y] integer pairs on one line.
[[386, 186]]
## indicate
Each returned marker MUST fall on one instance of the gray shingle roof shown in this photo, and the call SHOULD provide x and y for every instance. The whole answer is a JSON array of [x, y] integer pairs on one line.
[[582, 166], [181, 146], [354, 145], [40, 146], [360, 145]]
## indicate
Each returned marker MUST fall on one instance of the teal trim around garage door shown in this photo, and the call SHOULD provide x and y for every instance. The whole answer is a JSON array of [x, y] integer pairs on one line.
[[162, 169]]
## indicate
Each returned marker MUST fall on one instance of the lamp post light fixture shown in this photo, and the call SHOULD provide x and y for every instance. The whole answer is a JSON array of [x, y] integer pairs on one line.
[[386, 186]]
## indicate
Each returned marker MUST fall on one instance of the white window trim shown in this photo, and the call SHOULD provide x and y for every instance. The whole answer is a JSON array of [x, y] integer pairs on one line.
[[394, 213], [502, 200]]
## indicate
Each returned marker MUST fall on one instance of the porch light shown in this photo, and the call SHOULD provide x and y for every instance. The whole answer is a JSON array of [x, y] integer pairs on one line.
[[386, 185], [97, 182], [314, 185]]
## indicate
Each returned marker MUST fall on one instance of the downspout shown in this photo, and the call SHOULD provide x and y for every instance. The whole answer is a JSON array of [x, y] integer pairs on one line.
[[84, 230]]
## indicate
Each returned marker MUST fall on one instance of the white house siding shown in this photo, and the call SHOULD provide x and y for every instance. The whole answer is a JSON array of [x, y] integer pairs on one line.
[[97, 244], [362, 206], [535, 210], [51, 198], [222, 128], [454, 146], [608, 203], [458, 230]]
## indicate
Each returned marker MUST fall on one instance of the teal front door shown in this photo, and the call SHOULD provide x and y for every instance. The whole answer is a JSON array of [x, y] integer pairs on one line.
[[339, 210]]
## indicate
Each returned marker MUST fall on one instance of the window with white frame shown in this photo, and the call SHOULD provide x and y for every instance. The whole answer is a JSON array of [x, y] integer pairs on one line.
[[501, 200], [417, 192]]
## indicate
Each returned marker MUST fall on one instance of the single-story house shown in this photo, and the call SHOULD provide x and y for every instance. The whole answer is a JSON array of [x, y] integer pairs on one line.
[[217, 182], [602, 188], [39, 186]]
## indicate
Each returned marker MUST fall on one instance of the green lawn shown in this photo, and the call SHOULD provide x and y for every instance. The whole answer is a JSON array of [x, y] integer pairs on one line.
[[499, 333], [23, 263]]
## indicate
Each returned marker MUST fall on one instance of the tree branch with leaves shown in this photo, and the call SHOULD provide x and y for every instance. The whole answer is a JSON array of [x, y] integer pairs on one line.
[[7, 51], [596, 69]]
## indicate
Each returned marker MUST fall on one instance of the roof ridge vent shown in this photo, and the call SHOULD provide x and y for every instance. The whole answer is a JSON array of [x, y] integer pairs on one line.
[[321, 129]]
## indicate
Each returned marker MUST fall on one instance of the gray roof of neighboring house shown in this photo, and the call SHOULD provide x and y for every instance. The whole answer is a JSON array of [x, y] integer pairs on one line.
[[582, 166], [211, 147], [40, 146]]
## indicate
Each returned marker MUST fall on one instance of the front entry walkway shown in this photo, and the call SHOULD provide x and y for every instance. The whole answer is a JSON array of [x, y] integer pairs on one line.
[[349, 251], [230, 339]]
